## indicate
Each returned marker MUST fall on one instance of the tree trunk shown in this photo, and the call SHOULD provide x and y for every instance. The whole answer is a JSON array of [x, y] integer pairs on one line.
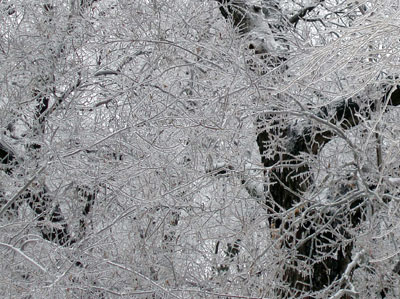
[[316, 241]]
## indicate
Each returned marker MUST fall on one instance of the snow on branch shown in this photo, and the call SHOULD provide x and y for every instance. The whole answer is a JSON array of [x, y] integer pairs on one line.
[[346, 277], [21, 253], [246, 175], [302, 13], [21, 191]]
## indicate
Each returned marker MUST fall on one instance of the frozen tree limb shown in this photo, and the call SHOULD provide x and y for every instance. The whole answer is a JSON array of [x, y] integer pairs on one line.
[[302, 13], [21, 253], [255, 189], [105, 73], [346, 277], [56, 228], [237, 11], [12, 201], [220, 169], [152, 282], [7, 157], [289, 177]]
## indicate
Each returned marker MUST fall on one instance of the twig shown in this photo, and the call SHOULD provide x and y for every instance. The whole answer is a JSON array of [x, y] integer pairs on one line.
[[144, 277], [18, 194], [346, 277], [17, 250]]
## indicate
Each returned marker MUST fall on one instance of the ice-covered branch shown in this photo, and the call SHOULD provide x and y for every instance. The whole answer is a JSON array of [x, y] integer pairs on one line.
[[346, 278], [302, 13], [246, 176], [21, 253], [18, 195]]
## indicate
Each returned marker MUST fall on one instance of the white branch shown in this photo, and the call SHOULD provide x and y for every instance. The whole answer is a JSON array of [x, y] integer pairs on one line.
[[144, 277], [254, 188], [346, 277], [17, 250], [394, 181], [18, 194]]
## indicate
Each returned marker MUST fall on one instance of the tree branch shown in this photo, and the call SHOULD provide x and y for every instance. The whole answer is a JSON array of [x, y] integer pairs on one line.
[[301, 14], [317, 241], [20, 252], [237, 12], [18, 195], [51, 222]]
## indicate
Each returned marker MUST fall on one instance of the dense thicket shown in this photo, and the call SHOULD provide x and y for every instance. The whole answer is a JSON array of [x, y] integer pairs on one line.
[[190, 149]]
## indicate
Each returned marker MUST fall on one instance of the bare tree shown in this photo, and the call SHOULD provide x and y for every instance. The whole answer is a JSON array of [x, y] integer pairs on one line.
[[199, 149], [317, 237]]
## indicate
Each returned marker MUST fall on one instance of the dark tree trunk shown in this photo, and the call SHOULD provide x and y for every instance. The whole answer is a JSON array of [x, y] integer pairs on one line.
[[50, 220], [317, 242]]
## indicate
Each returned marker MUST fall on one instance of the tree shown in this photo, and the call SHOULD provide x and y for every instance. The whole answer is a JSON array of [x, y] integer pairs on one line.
[[240, 149], [319, 238]]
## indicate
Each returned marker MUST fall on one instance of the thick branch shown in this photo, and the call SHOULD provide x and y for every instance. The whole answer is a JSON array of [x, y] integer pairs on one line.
[[321, 241], [288, 169], [7, 158], [237, 12], [84, 4], [316, 240], [302, 13], [90, 197]]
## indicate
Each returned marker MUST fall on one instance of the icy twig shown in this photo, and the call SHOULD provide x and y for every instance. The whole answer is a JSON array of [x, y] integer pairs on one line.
[[20, 252]]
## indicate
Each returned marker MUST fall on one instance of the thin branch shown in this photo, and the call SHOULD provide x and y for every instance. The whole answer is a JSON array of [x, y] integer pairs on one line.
[[346, 277], [105, 73], [22, 190], [17, 250], [143, 277], [98, 142]]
